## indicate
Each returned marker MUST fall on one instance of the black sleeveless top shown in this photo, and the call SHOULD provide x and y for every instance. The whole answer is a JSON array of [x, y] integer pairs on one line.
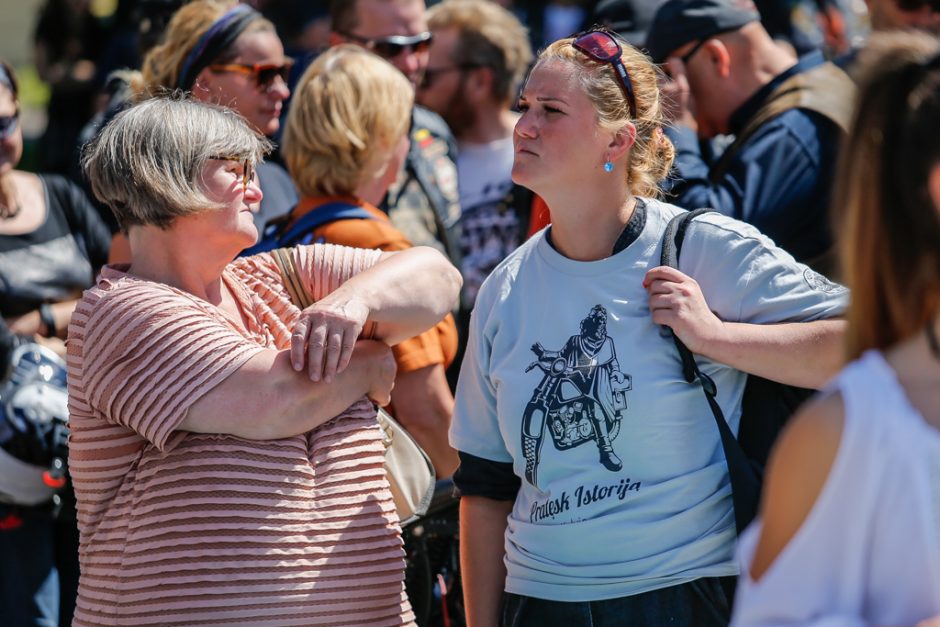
[[60, 258]]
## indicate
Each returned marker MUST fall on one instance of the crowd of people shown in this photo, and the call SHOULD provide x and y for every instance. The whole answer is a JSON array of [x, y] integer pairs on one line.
[[486, 203]]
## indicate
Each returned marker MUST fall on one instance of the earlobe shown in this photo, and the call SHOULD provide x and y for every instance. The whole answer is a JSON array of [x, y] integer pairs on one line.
[[481, 80], [202, 86], [720, 57], [622, 141]]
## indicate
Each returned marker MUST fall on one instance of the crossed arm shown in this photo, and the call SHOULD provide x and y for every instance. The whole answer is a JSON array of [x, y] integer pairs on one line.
[[277, 394]]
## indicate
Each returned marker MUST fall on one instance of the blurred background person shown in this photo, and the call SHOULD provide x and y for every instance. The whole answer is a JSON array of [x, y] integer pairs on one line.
[[886, 15], [52, 244], [141, 28], [226, 53], [345, 141], [67, 43], [847, 532], [630, 19], [424, 203], [479, 56], [787, 116]]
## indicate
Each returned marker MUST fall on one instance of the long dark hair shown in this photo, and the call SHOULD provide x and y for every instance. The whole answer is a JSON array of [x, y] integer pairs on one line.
[[885, 215]]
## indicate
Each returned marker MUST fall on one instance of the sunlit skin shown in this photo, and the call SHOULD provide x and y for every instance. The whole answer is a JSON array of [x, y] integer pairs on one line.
[[260, 107], [560, 151], [231, 227], [557, 141], [705, 76]]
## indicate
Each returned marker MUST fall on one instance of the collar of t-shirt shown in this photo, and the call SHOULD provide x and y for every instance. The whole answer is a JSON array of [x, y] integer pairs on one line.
[[628, 235]]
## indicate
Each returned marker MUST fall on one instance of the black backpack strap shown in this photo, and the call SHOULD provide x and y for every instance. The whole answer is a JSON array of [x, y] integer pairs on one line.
[[745, 481]]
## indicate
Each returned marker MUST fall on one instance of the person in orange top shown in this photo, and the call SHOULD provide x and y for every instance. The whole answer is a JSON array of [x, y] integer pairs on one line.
[[345, 140]]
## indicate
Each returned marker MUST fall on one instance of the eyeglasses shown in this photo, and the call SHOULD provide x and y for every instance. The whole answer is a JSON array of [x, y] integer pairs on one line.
[[248, 169], [8, 124], [601, 46], [391, 47], [264, 73], [430, 75], [688, 55]]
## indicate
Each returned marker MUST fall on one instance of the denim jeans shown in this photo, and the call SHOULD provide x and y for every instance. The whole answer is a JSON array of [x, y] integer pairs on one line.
[[38, 567], [700, 603]]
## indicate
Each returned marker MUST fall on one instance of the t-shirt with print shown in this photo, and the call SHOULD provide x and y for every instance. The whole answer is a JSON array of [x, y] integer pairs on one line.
[[624, 483], [490, 229]]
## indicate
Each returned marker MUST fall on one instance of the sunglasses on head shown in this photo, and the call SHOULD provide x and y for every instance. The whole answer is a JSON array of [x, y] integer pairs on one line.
[[391, 47], [602, 46], [264, 73], [8, 124], [248, 169]]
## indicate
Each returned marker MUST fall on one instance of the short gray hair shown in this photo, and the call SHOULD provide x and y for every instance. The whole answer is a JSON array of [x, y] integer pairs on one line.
[[146, 164]]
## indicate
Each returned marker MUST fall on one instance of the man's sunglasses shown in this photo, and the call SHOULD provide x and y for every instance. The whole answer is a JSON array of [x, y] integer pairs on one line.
[[8, 124], [603, 47], [264, 73], [391, 47], [248, 169]]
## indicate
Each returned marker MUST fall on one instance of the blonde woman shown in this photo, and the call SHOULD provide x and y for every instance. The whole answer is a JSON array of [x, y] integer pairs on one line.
[[344, 142], [595, 489], [227, 460]]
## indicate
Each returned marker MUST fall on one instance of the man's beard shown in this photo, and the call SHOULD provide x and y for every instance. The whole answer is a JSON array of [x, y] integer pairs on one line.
[[458, 114]]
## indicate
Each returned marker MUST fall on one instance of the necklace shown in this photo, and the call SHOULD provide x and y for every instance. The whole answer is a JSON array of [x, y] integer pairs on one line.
[[932, 340]]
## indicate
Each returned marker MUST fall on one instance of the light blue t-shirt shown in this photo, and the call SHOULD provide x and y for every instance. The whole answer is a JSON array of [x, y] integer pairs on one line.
[[564, 362]]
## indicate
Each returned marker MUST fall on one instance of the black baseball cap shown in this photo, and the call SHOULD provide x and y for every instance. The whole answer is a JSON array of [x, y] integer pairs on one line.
[[678, 22], [630, 19]]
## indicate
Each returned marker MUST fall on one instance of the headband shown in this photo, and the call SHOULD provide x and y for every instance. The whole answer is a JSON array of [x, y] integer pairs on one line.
[[222, 34]]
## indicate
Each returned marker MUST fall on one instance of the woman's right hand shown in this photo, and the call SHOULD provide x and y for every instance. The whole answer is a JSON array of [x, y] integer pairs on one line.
[[324, 336], [378, 364]]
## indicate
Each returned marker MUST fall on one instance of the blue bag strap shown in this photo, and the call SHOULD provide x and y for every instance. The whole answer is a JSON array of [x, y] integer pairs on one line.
[[324, 214]]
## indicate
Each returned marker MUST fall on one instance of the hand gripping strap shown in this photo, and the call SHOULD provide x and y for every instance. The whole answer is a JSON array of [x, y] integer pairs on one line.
[[745, 480]]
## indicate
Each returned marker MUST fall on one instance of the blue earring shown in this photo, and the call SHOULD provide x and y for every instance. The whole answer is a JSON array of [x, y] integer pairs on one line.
[[608, 167]]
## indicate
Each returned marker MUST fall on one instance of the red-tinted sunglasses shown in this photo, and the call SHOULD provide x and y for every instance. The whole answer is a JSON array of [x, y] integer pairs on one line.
[[264, 73], [603, 47]]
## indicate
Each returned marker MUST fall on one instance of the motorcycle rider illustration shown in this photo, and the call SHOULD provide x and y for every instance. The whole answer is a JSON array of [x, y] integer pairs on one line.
[[582, 395]]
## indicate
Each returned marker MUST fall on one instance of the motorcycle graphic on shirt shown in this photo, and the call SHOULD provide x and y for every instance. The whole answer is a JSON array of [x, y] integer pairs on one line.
[[581, 397]]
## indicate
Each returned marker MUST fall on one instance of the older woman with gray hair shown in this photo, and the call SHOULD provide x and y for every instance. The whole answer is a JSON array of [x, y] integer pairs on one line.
[[226, 456]]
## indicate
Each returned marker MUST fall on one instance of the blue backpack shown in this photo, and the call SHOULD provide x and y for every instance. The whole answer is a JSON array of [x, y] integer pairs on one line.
[[277, 235]]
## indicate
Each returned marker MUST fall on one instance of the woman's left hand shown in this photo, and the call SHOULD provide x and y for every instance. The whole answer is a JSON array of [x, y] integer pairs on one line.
[[676, 301], [325, 335]]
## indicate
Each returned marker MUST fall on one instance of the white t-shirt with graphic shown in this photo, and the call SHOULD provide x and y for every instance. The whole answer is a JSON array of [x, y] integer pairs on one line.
[[625, 487], [490, 230]]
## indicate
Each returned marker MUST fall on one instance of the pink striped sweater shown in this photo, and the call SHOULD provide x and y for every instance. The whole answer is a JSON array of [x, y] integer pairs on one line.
[[179, 528]]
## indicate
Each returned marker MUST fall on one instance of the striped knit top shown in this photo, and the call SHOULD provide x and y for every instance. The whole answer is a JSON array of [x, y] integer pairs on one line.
[[180, 528]]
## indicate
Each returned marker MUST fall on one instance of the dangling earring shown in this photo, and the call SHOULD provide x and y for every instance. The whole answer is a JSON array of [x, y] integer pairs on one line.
[[608, 167]]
